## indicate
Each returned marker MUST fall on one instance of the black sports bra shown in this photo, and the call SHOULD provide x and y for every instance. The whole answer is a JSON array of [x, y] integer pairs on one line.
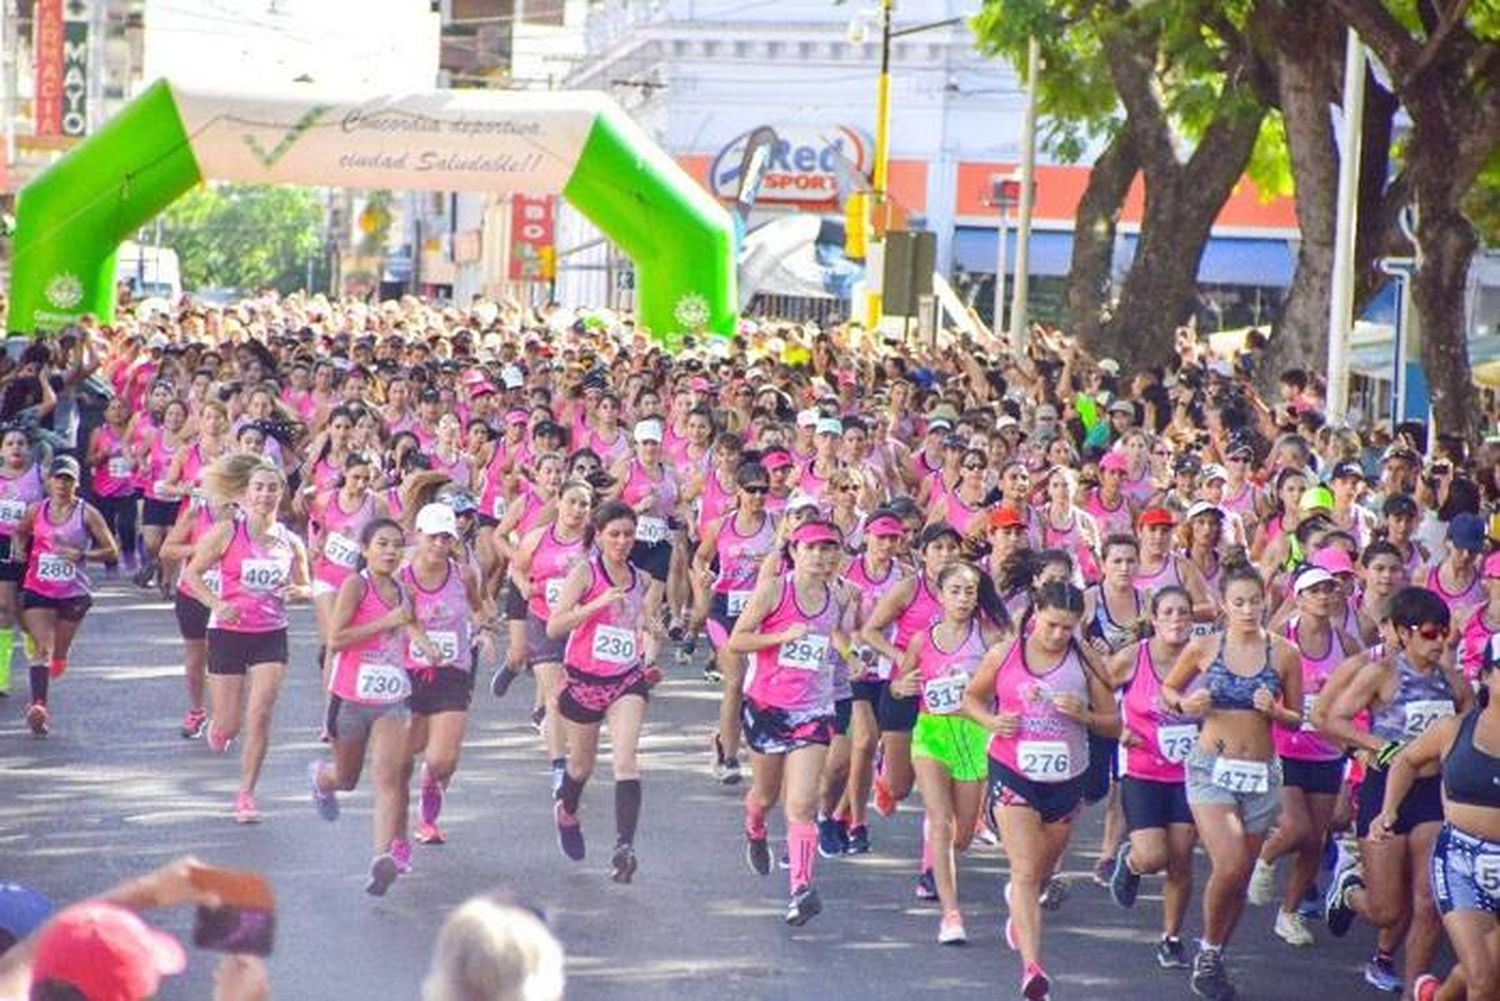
[[1470, 776]]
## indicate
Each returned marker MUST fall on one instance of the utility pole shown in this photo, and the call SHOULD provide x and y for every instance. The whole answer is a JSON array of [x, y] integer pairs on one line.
[[1341, 301]]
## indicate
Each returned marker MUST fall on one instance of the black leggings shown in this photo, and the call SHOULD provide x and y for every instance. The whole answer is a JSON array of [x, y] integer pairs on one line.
[[120, 515]]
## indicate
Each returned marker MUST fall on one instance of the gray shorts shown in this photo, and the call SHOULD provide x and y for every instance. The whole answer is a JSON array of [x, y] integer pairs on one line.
[[540, 649], [353, 720], [1257, 810]]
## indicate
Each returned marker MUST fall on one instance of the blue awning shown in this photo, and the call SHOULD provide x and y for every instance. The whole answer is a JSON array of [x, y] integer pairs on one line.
[[1226, 260]]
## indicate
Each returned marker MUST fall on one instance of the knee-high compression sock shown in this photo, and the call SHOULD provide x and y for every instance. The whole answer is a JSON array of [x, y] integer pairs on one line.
[[627, 809], [802, 845], [7, 649], [39, 682], [755, 817], [570, 792]]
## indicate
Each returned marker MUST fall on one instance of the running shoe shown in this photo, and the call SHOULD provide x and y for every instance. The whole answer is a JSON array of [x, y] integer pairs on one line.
[[1311, 907], [1291, 929], [569, 832], [1171, 954], [951, 931], [859, 840], [432, 797], [803, 907], [1034, 983], [832, 838], [1054, 893], [926, 888], [193, 723], [711, 672], [1424, 989], [217, 742], [38, 718], [1210, 980], [1103, 870], [144, 575], [537, 716], [500, 681], [559, 769], [327, 803], [758, 855], [885, 803], [383, 872], [983, 835], [622, 864], [245, 810], [401, 852], [1124, 882], [1380, 973], [1337, 909], [1262, 883], [687, 647], [430, 834]]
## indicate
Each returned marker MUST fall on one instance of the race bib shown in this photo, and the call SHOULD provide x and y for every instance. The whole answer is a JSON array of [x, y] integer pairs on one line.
[[944, 696], [809, 653], [1176, 742], [650, 530], [1044, 760], [54, 569], [736, 602], [1202, 629], [883, 667], [614, 645], [1240, 776], [214, 580], [11, 512], [1422, 714], [497, 508], [381, 683], [1487, 874], [551, 591], [446, 643], [341, 551], [1308, 702], [261, 576], [120, 467]]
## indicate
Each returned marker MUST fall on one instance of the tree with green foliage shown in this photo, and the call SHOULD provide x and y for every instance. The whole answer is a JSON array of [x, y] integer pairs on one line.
[[245, 236]]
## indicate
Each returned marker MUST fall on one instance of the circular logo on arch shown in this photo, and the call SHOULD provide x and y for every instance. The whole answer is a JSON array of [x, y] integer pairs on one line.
[[807, 165], [64, 291]]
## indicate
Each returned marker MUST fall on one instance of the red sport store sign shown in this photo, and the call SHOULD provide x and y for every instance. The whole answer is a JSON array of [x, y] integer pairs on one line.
[[805, 164]]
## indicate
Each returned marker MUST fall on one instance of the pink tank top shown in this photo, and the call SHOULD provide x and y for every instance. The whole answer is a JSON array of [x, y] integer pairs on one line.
[[1470, 597], [921, 612], [1111, 521], [958, 514], [1165, 738], [612, 452], [1166, 575], [943, 675], [202, 515], [713, 502], [192, 466], [1476, 639], [638, 483], [158, 463], [1241, 503], [115, 476], [372, 671], [254, 576], [17, 493], [608, 643], [532, 506], [1306, 743], [491, 489], [550, 563], [340, 532], [325, 475], [457, 469], [1139, 490], [870, 590], [1074, 541], [48, 572], [445, 616], [143, 436], [1048, 747], [740, 557], [796, 676], [810, 483]]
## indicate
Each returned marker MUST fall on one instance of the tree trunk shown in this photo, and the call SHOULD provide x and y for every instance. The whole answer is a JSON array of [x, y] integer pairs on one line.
[[1094, 228], [1439, 291]]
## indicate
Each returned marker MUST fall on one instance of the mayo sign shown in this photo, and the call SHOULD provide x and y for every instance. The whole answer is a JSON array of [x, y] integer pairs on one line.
[[804, 164]]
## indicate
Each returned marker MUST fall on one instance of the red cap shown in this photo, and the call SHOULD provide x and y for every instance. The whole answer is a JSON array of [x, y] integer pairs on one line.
[[885, 525], [1156, 516], [814, 532], [107, 952], [1006, 517]]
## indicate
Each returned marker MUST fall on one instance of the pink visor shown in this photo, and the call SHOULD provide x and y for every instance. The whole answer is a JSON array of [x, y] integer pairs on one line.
[[813, 533], [1333, 559], [885, 525]]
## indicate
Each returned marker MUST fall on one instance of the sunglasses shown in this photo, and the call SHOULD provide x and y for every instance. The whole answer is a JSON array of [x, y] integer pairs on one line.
[[852, 488], [757, 489], [1430, 631]]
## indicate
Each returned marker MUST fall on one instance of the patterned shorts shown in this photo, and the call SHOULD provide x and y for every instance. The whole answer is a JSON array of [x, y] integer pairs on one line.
[[774, 730], [585, 697]]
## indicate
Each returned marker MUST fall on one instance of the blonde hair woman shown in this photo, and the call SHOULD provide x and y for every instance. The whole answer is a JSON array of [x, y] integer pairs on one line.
[[490, 950]]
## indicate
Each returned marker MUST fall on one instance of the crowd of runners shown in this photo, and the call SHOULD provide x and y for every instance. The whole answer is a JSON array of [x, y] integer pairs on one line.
[[1019, 584]]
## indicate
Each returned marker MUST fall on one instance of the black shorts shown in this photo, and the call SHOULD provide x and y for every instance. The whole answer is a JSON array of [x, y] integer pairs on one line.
[[1057, 802], [585, 698], [895, 714], [441, 690], [1151, 805], [1320, 778], [160, 513], [68, 609], [192, 617], [487, 520], [233, 653], [1423, 805], [843, 710], [774, 730], [653, 557], [515, 605], [12, 570], [869, 691], [1104, 767]]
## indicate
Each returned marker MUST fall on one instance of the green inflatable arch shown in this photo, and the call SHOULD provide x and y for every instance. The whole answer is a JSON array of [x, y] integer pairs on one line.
[[71, 218]]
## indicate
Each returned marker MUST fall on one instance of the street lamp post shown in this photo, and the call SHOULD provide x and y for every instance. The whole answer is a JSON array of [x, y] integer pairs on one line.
[[1018, 305], [1004, 192]]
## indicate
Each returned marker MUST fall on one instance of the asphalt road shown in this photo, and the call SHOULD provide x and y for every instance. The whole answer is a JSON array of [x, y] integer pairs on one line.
[[115, 791]]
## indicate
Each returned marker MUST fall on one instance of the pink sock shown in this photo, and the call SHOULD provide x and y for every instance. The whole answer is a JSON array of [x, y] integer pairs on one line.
[[802, 844], [755, 817], [926, 845]]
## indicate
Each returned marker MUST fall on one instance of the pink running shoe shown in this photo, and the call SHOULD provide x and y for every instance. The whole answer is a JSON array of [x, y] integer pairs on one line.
[[430, 834], [37, 717], [432, 799], [193, 723], [1034, 983], [401, 852], [245, 810]]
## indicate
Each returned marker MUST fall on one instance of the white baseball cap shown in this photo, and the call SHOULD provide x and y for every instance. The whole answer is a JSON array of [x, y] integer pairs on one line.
[[807, 418], [437, 519], [512, 377], [648, 431]]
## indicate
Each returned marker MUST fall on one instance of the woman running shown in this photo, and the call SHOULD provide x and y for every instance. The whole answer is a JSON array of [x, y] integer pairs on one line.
[[336, 522], [1153, 788], [20, 487], [949, 752], [1039, 695], [56, 534], [262, 565], [112, 468], [442, 584], [1250, 679], [1068, 527], [368, 690], [605, 610], [194, 521], [1480, 627], [790, 625], [159, 509]]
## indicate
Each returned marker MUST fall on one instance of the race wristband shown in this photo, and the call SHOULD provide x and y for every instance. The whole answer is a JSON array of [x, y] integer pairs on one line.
[[1387, 754]]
